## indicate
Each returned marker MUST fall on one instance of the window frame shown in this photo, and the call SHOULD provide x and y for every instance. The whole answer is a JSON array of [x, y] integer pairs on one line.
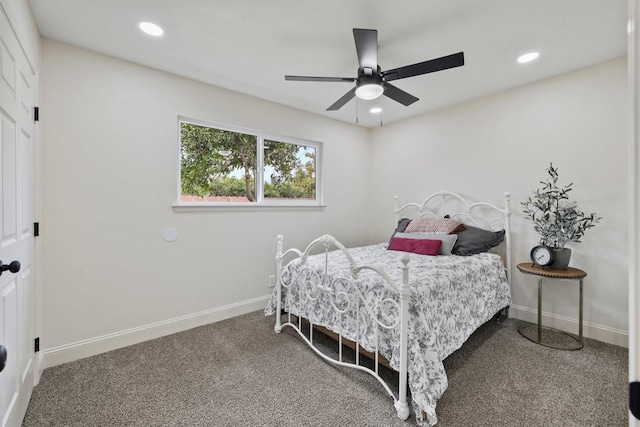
[[259, 184]]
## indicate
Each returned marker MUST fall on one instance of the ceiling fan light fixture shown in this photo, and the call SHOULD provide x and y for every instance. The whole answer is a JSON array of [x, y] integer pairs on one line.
[[369, 91]]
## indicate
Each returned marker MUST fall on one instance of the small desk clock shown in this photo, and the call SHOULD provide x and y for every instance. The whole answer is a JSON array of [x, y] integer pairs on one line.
[[542, 256]]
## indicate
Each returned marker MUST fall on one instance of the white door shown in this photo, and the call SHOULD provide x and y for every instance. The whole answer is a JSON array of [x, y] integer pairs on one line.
[[634, 223], [17, 214]]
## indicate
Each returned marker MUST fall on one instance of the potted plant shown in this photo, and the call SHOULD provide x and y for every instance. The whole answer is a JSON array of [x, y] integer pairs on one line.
[[557, 219]]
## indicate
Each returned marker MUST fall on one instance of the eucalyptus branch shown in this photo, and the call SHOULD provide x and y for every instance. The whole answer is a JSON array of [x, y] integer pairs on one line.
[[556, 219]]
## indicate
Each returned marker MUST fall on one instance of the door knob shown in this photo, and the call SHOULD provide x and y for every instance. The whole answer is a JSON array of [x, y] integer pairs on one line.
[[13, 267]]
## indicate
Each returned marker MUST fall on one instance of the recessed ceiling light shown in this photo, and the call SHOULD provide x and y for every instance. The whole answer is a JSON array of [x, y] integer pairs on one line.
[[375, 110], [528, 57], [150, 28]]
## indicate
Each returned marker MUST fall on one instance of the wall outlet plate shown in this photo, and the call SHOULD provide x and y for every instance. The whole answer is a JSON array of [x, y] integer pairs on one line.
[[272, 281]]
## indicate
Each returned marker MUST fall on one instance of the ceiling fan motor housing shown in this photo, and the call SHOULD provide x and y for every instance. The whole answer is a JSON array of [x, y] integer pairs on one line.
[[369, 75]]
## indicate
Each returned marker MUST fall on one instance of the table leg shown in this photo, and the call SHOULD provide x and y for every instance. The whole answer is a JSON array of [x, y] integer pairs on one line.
[[540, 309], [580, 317]]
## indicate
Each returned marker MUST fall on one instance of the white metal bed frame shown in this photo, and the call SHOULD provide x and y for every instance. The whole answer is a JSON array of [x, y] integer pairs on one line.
[[397, 310]]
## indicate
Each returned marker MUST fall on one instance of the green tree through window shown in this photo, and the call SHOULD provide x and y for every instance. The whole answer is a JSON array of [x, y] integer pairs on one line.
[[219, 165]]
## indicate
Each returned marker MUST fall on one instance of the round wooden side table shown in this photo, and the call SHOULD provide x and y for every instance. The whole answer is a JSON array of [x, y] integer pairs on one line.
[[550, 273]]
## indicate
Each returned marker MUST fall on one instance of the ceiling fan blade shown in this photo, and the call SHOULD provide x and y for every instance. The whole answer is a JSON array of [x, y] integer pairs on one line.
[[319, 79], [431, 66], [367, 48], [399, 95], [340, 102]]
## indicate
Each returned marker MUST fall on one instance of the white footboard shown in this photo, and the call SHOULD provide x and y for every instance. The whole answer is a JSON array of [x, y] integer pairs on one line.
[[308, 286]]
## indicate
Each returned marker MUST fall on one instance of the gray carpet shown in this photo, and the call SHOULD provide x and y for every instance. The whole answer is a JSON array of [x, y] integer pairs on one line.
[[238, 372]]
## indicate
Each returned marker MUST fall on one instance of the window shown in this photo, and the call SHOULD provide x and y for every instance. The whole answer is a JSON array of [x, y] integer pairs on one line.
[[226, 166]]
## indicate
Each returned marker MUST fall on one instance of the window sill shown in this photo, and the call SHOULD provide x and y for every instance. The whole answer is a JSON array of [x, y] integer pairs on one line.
[[246, 207]]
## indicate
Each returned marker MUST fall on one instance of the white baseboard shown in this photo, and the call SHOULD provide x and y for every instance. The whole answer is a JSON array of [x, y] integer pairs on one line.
[[91, 347], [589, 330]]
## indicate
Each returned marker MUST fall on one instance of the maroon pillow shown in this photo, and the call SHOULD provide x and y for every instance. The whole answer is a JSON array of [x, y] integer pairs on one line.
[[422, 246]]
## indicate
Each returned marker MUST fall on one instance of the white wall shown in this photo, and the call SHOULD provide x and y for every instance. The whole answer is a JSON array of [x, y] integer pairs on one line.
[[109, 140], [504, 143], [108, 135]]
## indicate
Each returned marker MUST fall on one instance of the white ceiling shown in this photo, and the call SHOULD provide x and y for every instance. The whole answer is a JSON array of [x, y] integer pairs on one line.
[[249, 45]]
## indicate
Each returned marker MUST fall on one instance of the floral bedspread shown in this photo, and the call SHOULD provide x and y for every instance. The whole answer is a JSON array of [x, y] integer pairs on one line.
[[451, 296]]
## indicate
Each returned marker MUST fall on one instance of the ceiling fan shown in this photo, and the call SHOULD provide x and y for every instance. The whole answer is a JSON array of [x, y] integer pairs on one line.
[[371, 81]]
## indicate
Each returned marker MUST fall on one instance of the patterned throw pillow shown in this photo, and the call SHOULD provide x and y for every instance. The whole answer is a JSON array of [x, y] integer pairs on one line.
[[434, 225]]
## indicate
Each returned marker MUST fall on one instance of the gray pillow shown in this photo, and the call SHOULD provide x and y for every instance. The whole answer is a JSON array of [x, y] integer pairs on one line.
[[475, 240], [402, 224]]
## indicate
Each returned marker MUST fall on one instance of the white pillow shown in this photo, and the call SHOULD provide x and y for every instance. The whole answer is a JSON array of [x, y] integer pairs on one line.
[[448, 240]]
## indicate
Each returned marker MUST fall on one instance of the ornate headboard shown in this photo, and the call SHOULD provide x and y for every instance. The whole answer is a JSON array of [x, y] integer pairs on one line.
[[478, 214]]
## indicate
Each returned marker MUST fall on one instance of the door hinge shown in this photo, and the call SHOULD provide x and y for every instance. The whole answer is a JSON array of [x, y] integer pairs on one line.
[[36, 229], [36, 114], [36, 344]]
